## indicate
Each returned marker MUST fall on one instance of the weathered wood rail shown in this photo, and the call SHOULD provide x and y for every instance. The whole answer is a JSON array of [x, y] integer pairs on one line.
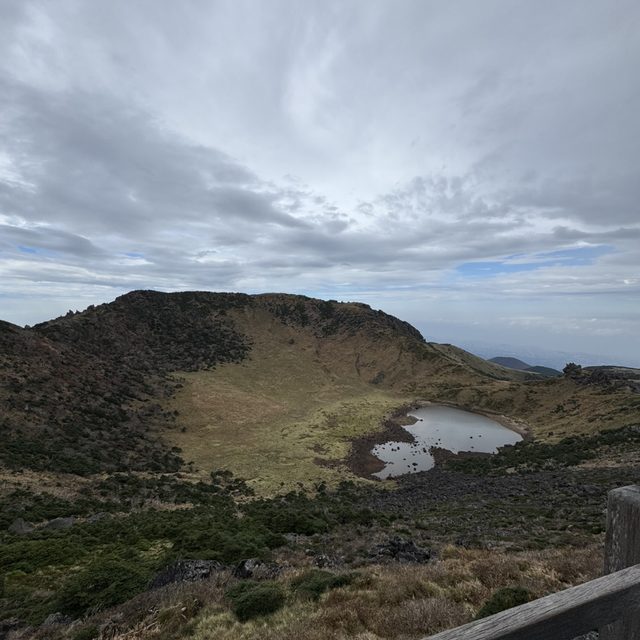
[[609, 605]]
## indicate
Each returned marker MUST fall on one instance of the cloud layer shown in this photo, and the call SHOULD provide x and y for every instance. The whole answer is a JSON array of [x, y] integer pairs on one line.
[[440, 160]]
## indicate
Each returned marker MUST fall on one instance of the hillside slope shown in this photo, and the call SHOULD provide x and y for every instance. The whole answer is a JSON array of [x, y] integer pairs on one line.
[[83, 393], [273, 387], [510, 363], [520, 365]]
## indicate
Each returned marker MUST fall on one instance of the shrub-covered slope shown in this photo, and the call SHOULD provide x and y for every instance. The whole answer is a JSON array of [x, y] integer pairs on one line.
[[79, 393], [82, 393]]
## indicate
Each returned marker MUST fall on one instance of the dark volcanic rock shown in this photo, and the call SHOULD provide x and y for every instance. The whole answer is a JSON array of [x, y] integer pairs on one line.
[[186, 571], [56, 618], [96, 517], [7, 626], [401, 550], [20, 527], [59, 523], [257, 569], [324, 561]]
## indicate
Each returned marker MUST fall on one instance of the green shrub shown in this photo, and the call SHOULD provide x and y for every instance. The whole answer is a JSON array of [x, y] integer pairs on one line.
[[250, 599], [315, 582], [87, 633], [504, 599], [103, 584]]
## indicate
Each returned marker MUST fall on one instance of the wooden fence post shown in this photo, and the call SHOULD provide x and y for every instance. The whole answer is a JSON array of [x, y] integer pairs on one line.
[[622, 550]]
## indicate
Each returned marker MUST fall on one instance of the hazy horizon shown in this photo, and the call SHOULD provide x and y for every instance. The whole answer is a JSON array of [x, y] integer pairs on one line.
[[468, 167]]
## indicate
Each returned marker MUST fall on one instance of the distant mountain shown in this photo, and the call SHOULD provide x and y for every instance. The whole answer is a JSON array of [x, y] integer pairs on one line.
[[520, 365], [547, 372], [538, 354], [511, 363]]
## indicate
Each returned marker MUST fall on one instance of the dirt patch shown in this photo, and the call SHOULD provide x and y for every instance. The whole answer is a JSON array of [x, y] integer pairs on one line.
[[441, 455], [361, 461]]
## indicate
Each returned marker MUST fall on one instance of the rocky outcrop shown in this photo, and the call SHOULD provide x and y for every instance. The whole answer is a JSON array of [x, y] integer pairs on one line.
[[186, 571], [20, 527], [256, 569], [400, 550]]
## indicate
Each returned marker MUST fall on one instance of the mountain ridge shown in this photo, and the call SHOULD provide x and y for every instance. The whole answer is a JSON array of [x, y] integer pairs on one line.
[[93, 381], [519, 365]]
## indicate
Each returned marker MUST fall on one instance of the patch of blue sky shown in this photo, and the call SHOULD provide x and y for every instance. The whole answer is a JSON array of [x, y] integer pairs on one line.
[[41, 252], [579, 256], [134, 255], [479, 269]]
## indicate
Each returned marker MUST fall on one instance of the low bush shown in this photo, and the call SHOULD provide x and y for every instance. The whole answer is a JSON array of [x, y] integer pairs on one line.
[[531, 456], [250, 599], [504, 599], [87, 633], [312, 584], [100, 585]]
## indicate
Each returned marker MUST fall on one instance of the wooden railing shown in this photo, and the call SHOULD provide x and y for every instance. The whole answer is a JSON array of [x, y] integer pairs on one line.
[[610, 604]]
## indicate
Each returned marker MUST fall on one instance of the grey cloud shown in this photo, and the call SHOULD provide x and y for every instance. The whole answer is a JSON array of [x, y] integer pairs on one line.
[[96, 164], [47, 238], [258, 207], [614, 198]]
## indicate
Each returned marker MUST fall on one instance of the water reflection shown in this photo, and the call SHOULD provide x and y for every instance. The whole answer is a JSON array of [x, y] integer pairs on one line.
[[443, 427]]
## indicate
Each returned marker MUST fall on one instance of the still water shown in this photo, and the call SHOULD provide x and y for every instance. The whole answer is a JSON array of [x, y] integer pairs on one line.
[[443, 427]]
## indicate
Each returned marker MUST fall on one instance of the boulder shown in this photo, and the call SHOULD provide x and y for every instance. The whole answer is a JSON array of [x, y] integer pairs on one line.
[[256, 569], [59, 523], [401, 550], [96, 517], [186, 571], [56, 618], [7, 626], [324, 561]]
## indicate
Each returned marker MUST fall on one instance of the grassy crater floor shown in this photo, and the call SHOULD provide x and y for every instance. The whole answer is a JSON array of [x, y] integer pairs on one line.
[[290, 411], [286, 415]]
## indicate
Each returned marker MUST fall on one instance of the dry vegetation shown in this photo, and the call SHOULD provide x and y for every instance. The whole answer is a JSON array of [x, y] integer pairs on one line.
[[383, 602]]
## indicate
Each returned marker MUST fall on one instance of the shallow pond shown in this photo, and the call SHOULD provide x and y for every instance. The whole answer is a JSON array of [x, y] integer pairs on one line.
[[444, 427]]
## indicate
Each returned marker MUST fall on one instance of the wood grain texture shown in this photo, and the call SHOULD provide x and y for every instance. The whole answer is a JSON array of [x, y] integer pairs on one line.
[[622, 550], [559, 616]]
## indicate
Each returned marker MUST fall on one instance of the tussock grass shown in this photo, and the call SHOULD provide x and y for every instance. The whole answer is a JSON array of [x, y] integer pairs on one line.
[[391, 602]]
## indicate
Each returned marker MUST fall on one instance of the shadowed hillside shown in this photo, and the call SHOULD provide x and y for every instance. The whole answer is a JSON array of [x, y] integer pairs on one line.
[[79, 393]]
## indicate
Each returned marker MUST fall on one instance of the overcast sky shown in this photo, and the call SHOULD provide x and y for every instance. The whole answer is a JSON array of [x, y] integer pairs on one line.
[[468, 165]]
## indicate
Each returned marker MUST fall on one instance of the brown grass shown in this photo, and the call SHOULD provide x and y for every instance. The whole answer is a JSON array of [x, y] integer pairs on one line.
[[288, 413], [391, 602]]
